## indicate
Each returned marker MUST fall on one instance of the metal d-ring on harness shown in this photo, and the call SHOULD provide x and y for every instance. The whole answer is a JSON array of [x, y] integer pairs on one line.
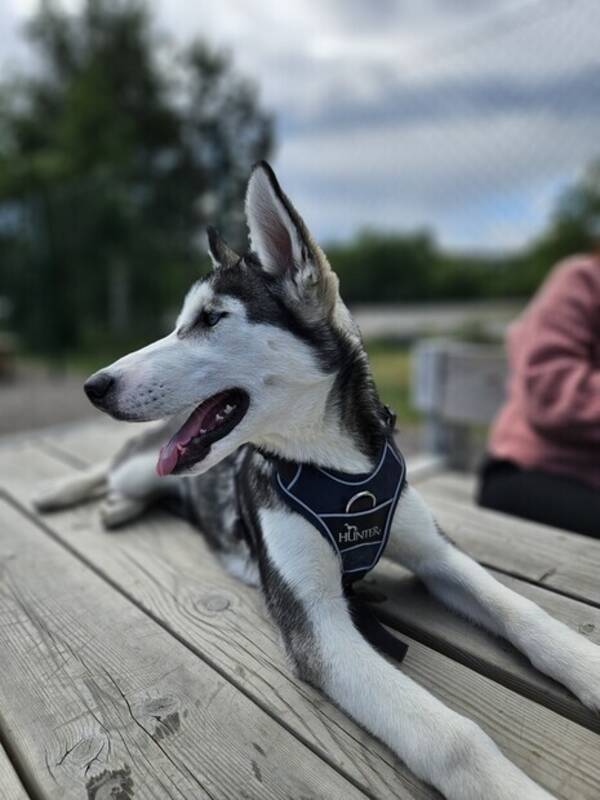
[[359, 496], [354, 514]]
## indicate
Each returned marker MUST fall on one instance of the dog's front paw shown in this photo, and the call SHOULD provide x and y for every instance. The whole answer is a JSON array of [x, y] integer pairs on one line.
[[117, 510], [591, 699], [567, 656], [584, 677], [587, 686], [46, 500]]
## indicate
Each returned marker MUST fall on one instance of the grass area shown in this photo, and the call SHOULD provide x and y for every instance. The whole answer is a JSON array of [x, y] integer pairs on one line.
[[391, 370]]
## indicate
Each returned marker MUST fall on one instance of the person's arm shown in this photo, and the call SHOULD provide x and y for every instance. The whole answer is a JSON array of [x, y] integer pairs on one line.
[[560, 379]]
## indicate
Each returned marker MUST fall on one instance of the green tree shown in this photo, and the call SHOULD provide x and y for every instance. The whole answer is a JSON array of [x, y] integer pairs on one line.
[[378, 267], [573, 227], [113, 155], [575, 223]]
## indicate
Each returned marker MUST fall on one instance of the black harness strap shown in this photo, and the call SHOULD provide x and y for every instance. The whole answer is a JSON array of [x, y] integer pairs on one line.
[[371, 628]]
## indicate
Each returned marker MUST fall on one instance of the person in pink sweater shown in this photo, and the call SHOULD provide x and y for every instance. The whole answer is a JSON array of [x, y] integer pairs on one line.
[[544, 447]]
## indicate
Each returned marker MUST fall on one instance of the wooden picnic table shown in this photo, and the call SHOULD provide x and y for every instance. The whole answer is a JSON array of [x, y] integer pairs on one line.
[[133, 667]]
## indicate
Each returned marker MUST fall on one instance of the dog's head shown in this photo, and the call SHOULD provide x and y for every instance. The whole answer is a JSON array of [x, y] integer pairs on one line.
[[255, 349]]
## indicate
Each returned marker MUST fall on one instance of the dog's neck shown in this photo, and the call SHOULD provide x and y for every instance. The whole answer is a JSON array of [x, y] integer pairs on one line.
[[340, 423]]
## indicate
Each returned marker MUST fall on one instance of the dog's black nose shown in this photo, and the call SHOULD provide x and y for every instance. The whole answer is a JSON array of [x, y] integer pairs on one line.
[[97, 386]]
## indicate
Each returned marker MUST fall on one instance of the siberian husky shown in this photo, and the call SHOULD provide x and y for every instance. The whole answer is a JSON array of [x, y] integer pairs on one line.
[[265, 365]]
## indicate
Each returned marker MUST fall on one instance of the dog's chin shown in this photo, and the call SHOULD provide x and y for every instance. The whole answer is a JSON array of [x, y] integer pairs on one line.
[[122, 413], [129, 416]]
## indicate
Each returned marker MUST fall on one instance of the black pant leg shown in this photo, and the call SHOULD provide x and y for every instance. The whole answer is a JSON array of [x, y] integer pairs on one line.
[[541, 497]]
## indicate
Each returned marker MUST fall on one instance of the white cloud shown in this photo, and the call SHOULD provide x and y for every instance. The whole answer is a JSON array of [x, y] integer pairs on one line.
[[452, 177], [466, 116]]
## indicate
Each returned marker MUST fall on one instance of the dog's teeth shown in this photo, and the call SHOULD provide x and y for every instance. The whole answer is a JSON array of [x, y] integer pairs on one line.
[[219, 417], [228, 409]]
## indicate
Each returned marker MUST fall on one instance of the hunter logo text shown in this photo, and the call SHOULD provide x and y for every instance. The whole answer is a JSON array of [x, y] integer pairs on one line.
[[352, 533]]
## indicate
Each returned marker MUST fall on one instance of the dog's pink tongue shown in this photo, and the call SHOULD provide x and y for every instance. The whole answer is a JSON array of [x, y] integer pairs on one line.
[[176, 446], [167, 458]]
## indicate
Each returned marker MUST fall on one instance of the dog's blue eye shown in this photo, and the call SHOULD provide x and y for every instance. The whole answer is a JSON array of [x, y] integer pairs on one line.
[[212, 317]]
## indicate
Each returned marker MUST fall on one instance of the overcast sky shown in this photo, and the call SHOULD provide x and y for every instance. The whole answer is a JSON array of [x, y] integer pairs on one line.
[[460, 115]]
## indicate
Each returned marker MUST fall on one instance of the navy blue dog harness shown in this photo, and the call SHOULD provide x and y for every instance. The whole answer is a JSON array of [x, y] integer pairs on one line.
[[354, 514]]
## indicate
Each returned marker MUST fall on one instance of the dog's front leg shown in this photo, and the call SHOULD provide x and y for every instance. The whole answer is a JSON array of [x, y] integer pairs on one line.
[[301, 578], [417, 542]]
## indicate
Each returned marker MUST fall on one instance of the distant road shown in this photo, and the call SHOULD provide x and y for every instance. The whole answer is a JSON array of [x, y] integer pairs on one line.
[[39, 397], [413, 320]]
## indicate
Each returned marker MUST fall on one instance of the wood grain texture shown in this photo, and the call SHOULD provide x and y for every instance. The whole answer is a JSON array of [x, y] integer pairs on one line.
[[165, 565], [560, 560], [458, 486], [100, 701], [556, 752], [411, 609], [94, 442], [219, 623], [479, 650], [11, 787], [161, 563]]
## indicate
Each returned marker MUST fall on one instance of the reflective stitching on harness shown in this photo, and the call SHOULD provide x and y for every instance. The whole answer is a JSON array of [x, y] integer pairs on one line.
[[357, 537], [368, 478], [296, 476]]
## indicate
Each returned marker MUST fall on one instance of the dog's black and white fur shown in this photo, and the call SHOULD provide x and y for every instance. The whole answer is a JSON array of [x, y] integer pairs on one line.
[[272, 326]]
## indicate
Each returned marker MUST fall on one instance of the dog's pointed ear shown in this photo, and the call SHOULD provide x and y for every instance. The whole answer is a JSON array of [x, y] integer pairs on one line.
[[219, 251], [277, 233], [283, 243]]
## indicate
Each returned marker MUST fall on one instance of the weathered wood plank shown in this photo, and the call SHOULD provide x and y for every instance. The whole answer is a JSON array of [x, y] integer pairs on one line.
[[459, 382], [94, 442], [456, 385], [559, 560], [159, 564], [535, 738], [458, 486], [95, 694], [11, 787], [410, 608], [422, 466], [170, 572]]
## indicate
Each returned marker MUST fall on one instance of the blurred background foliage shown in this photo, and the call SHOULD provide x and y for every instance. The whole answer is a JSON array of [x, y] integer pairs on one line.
[[112, 159], [377, 267], [117, 151]]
